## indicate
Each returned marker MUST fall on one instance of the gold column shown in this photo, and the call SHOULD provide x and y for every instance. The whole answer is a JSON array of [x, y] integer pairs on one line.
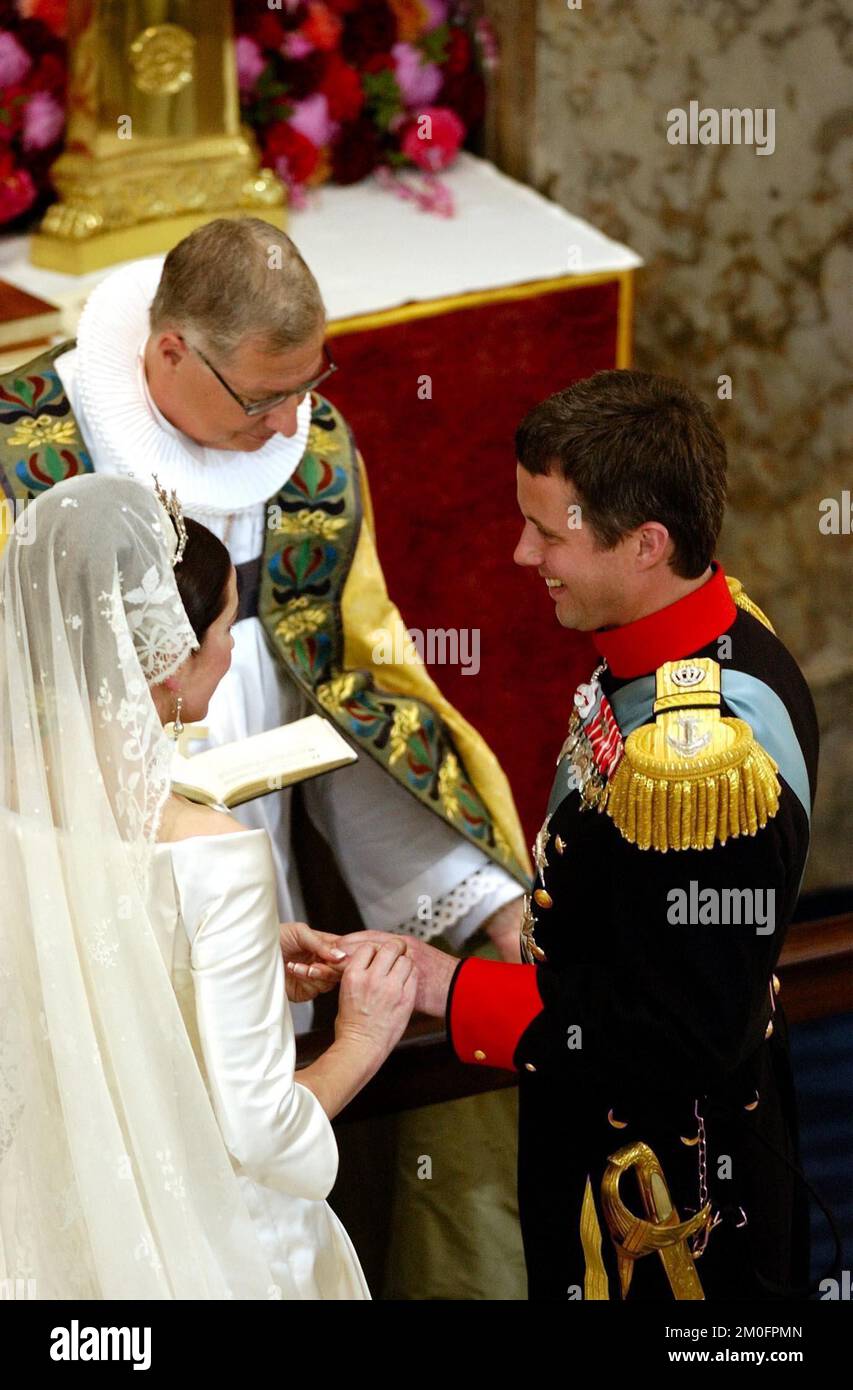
[[511, 109], [154, 146]]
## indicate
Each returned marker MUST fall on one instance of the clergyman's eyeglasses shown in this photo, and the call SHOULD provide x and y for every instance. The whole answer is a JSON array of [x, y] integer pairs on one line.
[[253, 408]]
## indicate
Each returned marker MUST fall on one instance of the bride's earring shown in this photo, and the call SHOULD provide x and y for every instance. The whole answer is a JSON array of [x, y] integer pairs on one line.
[[177, 726]]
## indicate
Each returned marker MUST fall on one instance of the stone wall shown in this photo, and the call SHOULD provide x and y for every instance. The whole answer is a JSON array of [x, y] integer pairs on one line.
[[748, 274]]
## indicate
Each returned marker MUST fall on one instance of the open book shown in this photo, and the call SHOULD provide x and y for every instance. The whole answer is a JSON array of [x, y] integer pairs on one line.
[[238, 772]]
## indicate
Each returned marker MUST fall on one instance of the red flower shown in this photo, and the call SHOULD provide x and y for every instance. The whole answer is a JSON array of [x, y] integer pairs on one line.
[[372, 28], [465, 94], [304, 75], [341, 87], [458, 51], [48, 76], [17, 193], [268, 32], [322, 27], [378, 62], [283, 143], [7, 163], [447, 134], [12, 103], [53, 13], [356, 152]]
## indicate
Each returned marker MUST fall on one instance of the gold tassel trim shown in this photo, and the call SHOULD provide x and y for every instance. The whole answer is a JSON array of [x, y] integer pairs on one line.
[[742, 600], [596, 1287], [682, 803]]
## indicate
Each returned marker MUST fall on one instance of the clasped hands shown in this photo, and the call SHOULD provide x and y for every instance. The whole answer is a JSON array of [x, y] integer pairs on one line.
[[315, 962]]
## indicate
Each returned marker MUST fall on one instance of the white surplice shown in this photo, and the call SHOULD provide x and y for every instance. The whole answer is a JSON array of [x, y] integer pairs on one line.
[[395, 855]]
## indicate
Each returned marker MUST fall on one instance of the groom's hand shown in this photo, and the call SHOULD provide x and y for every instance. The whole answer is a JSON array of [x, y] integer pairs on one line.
[[434, 968], [504, 930]]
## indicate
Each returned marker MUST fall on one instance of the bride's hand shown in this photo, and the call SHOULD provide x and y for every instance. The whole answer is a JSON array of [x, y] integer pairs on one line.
[[313, 962]]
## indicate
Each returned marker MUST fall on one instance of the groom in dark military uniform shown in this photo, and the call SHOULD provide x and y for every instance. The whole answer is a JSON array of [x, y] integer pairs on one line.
[[658, 1147]]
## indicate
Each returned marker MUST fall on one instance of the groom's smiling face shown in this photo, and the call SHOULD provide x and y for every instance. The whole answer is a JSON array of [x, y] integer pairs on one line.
[[587, 582], [194, 399]]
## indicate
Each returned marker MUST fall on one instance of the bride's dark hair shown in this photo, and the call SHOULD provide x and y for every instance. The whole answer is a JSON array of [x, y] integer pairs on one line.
[[202, 576]]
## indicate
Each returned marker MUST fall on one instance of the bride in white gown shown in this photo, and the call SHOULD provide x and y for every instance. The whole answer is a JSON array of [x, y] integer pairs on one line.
[[154, 1140]]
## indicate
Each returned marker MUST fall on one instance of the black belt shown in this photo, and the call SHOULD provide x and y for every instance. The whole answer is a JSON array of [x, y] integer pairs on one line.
[[248, 587]]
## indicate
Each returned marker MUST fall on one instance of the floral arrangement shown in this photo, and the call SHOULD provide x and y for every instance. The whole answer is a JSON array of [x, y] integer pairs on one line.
[[32, 104], [334, 89], [338, 89]]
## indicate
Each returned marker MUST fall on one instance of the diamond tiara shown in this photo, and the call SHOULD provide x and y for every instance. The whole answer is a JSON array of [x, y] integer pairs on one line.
[[173, 507]]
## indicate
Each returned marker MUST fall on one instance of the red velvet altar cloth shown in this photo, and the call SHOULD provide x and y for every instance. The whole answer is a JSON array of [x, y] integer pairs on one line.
[[442, 479]]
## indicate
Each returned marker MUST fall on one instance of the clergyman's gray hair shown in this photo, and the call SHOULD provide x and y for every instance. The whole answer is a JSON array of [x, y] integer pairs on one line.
[[234, 279]]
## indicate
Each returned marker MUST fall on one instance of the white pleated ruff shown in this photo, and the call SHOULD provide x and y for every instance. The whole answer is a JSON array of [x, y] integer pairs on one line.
[[125, 431]]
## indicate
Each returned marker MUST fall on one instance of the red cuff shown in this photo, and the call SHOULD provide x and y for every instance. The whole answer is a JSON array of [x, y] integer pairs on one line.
[[491, 1004]]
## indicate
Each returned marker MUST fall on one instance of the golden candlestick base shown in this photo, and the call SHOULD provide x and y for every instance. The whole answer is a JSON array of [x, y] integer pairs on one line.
[[154, 145]]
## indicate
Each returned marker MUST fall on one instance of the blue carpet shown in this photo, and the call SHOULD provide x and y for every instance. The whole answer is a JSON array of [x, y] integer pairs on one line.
[[822, 1059]]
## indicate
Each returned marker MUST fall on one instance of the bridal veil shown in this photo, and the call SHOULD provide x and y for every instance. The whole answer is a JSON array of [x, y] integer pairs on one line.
[[115, 1182]]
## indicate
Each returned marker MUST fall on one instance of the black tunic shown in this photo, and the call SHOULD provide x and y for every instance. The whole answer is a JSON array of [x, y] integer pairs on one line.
[[672, 1018]]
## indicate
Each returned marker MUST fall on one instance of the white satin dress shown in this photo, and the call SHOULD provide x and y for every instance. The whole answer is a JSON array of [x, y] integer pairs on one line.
[[213, 908]]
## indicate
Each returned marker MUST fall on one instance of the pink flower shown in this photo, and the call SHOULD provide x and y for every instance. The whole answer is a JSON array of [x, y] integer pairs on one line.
[[434, 143], [15, 61], [311, 118], [43, 121], [17, 193], [433, 196], [250, 62], [296, 45], [419, 82], [437, 13]]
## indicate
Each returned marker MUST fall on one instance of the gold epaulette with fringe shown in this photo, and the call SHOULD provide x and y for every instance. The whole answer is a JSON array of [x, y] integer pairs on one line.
[[742, 599], [691, 779]]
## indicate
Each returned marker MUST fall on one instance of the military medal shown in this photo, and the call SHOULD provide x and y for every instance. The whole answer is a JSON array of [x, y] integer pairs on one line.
[[540, 844], [531, 953], [592, 750], [593, 745]]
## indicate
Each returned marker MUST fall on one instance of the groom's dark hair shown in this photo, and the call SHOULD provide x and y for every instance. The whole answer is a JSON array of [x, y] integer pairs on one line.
[[636, 447], [202, 577]]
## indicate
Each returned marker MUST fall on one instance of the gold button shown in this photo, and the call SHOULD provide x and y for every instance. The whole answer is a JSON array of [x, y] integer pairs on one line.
[[752, 1105], [689, 1142], [528, 1066], [776, 985], [559, 844], [769, 1029], [543, 899], [617, 1124], [479, 1056]]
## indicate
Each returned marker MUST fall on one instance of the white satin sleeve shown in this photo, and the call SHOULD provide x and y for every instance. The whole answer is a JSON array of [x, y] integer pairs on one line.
[[275, 1129]]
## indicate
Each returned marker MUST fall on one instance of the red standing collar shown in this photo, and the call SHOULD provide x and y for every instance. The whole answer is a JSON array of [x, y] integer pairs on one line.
[[677, 630]]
